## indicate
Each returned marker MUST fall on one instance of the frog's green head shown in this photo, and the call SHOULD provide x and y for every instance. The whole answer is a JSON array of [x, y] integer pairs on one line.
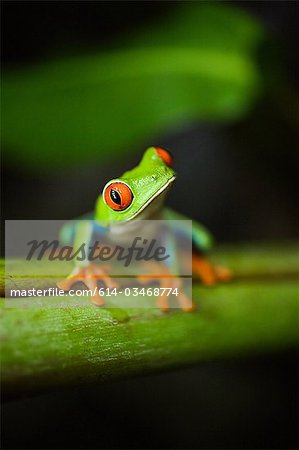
[[139, 190]]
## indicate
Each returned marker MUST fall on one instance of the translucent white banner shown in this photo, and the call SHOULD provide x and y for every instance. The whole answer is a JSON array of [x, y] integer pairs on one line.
[[127, 264]]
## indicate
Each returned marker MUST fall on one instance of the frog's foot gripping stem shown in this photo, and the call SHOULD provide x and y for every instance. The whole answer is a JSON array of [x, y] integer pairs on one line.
[[89, 276], [167, 280], [207, 272]]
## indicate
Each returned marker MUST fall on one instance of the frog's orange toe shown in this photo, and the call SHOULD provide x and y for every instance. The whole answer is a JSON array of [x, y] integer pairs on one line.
[[208, 273], [66, 284], [163, 308], [185, 302], [204, 270], [223, 273], [89, 276], [97, 300]]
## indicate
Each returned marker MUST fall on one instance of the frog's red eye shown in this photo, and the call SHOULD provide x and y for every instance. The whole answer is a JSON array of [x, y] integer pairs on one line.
[[118, 196], [165, 155]]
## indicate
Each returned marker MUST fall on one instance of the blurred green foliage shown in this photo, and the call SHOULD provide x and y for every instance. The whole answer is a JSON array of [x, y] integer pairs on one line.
[[197, 64]]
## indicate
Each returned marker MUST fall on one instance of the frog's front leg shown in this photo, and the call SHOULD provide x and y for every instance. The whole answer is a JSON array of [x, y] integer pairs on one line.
[[166, 281], [168, 275], [90, 275], [174, 266], [85, 272], [184, 302]]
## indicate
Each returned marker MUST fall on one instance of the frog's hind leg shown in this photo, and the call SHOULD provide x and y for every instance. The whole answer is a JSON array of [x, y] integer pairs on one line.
[[204, 270], [207, 272]]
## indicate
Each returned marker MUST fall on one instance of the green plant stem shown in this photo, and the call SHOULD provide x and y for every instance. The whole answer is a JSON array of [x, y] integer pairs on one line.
[[256, 312]]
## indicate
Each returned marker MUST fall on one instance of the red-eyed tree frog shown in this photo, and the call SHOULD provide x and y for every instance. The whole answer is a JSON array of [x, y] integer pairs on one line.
[[140, 194]]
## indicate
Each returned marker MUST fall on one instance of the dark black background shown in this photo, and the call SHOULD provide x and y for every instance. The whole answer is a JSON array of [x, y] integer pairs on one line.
[[242, 184], [239, 179]]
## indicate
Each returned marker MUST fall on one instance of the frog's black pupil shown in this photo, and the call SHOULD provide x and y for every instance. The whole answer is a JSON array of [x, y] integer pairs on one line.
[[115, 197]]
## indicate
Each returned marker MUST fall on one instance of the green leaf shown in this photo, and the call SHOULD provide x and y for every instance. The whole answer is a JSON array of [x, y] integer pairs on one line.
[[199, 66]]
